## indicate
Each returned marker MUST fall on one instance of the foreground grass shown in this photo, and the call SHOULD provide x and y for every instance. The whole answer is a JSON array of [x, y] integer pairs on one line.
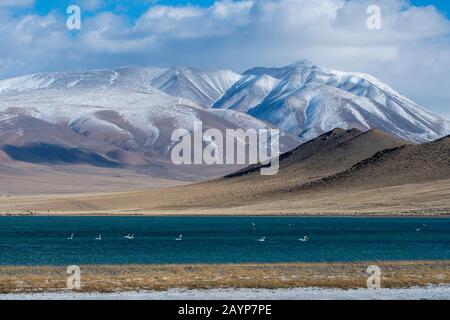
[[110, 278]]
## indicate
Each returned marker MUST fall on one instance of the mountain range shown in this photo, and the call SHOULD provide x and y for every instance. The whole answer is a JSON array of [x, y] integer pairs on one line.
[[123, 118]]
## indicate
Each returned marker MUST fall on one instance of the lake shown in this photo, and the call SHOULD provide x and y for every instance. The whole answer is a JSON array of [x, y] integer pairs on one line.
[[43, 240]]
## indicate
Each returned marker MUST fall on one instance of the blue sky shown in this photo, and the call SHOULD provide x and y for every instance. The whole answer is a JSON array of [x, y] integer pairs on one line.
[[411, 52], [442, 5], [134, 8], [137, 7]]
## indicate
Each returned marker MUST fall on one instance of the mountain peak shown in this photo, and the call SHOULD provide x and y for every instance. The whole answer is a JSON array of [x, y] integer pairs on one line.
[[202, 87], [182, 69], [303, 63], [310, 100], [341, 131]]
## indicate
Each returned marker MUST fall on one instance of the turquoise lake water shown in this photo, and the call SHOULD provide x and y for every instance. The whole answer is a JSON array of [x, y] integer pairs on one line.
[[43, 240]]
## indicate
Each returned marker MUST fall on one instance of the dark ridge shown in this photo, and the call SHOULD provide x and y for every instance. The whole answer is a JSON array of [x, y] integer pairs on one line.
[[248, 170], [53, 154], [422, 154], [255, 167], [379, 156]]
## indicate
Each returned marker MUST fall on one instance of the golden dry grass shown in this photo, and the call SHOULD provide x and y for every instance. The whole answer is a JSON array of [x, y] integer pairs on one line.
[[110, 278], [431, 198]]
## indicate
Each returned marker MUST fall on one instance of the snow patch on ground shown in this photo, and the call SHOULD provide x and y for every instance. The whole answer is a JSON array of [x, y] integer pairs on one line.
[[415, 293]]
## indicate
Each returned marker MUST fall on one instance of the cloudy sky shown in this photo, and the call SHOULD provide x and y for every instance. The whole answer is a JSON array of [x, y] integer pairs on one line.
[[411, 51]]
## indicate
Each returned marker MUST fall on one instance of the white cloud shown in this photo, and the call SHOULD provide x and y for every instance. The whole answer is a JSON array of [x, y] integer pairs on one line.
[[411, 51], [15, 3], [91, 5], [222, 18]]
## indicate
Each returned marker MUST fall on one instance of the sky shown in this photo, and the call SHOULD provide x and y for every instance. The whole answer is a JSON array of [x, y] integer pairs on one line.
[[411, 51]]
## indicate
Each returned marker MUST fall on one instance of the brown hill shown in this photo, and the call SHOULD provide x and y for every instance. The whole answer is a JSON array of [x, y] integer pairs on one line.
[[331, 152], [328, 154], [392, 167], [339, 172]]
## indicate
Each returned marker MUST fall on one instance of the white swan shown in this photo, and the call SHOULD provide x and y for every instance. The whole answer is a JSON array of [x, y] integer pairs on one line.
[[179, 238], [71, 237], [262, 239], [129, 236], [304, 239], [99, 237]]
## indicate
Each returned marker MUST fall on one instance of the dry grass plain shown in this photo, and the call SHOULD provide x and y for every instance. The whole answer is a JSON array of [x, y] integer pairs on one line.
[[223, 198], [112, 278]]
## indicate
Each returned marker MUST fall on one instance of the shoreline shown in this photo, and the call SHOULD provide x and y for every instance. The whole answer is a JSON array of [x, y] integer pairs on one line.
[[264, 276], [312, 293], [227, 214]]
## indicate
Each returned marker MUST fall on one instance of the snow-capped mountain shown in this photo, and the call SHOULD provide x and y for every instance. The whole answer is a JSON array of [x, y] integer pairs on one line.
[[130, 113], [116, 111], [203, 87], [247, 93], [117, 106], [308, 100], [127, 77]]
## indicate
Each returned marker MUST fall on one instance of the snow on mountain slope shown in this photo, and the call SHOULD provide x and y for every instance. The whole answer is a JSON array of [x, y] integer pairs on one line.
[[137, 108], [117, 107], [245, 121], [203, 87], [128, 118], [247, 93], [130, 77], [309, 101], [242, 120], [23, 137]]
